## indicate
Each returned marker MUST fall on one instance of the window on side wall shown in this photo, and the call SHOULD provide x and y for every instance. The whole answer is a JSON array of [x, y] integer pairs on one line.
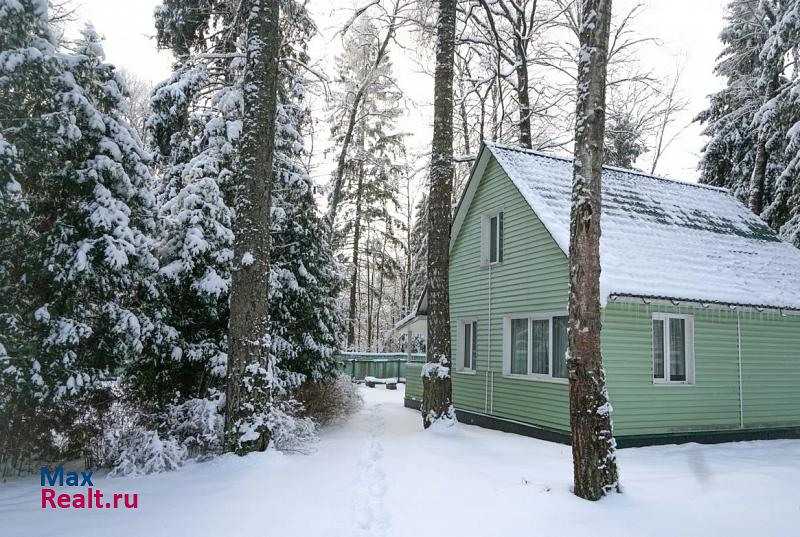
[[535, 346], [467, 345], [492, 238], [673, 348]]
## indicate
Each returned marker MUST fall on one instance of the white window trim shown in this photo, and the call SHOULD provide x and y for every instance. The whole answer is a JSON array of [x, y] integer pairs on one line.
[[460, 368], [539, 316], [689, 343], [485, 239]]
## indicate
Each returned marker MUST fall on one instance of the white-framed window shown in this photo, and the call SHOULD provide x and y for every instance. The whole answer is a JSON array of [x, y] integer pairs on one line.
[[467, 347], [492, 238], [535, 346], [673, 348]]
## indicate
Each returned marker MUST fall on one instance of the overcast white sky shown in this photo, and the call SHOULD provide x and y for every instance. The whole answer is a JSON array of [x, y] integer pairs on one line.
[[686, 27]]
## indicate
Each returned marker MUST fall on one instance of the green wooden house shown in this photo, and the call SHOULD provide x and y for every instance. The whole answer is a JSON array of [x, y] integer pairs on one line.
[[700, 298]]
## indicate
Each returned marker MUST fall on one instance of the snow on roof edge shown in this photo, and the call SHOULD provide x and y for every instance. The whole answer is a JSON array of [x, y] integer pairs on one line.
[[613, 297], [493, 145], [733, 256]]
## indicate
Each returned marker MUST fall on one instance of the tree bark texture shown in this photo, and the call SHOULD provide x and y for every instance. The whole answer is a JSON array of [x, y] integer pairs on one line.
[[525, 139], [593, 446], [759, 176], [522, 34], [437, 390], [248, 343]]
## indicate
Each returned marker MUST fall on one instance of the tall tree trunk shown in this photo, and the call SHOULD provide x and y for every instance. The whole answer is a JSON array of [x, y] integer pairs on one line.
[[463, 116], [525, 139], [369, 268], [352, 316], [338, 177], [758, 178], [381, 272], [759, 175], [523, 92], [247, 331], [593, 455], [523, 28], [407, 300], [437, 390]]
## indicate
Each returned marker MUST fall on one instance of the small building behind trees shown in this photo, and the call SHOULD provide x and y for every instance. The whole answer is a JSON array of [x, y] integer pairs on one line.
[[700, 301]]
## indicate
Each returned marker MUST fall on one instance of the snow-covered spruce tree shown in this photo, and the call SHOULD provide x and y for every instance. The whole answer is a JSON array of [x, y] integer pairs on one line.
[[373, 164], [624, 142], [593, 446], [77, 178], [437, 387], [391, 18], [196, 244], [752, 121], [196, 126], [729, 157], [306, 279], [783, 47]]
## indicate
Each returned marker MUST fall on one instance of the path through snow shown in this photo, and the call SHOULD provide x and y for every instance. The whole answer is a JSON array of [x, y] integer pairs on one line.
[[380, 473], [369, 511]]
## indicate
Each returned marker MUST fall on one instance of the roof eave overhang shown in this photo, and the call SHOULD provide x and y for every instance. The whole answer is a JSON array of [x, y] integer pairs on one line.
[[408, 324], [705, 304]]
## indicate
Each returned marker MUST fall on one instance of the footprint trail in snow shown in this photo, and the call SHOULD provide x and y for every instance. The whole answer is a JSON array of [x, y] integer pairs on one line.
[[369, 514]]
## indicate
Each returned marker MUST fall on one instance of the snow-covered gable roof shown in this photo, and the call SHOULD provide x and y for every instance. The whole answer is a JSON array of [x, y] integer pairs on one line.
[[664, 238]]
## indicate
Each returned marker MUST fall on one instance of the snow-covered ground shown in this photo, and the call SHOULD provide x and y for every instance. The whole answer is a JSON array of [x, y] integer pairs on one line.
[[381, 475]]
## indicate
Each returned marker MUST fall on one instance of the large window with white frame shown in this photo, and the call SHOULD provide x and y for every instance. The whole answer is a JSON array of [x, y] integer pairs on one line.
[[467, 348], [673, 348], [492, 238], [535, 346]]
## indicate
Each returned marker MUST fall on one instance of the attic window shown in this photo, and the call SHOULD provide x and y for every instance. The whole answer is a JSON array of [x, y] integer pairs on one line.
[[492, 238]]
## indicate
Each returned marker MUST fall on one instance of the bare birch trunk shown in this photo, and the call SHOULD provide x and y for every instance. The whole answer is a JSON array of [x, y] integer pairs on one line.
[[593, 446], [437, 390], [247, 331]]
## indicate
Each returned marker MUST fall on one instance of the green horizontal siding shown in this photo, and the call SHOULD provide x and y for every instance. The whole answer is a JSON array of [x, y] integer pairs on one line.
[[641, 407], [414, 381], [771, 369], [532, 277]]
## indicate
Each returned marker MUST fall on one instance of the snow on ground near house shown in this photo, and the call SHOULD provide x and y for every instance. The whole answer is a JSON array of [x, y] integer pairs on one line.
[[379, 474]]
